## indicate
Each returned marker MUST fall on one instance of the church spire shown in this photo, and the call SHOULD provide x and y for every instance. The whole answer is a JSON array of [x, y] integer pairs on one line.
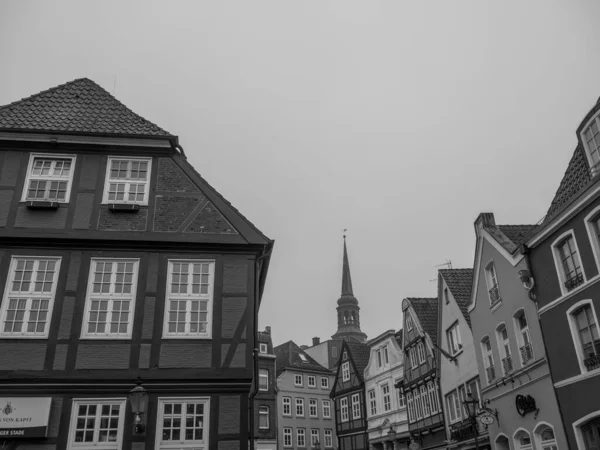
[[346, 278]]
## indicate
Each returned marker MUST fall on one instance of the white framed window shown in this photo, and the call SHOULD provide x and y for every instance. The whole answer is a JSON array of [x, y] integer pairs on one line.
[[29, 297], [314, 436], [421, 352], [411, 407], [387, 398], [446, 298], [263, 417], [400, 395], [127, 180], [418, 404], [110, 299], [303, 358], [287, 406], [412, 353], [592, 223], [301, 437], [326, 409], [324, 383], [346, 371], [183, 423], [522, 440], [189, 299], [298, 379], [97, 424], [356, 406], [590, 137], [433, 398], [453, 337], [49, 178], [344, 409], [313, 408], [379, 358], [544, 437], [504, 348], [287, 437], [262, 348], [312, 381], [523, 336], [454, 408], [491, 279], [425, 401], [488, 359], [372, 402], [386, 356], [300, 407], [583, 323], [409, 321], [263, 380], [462, 395], [568, 263], [474, 390], [328, 438]]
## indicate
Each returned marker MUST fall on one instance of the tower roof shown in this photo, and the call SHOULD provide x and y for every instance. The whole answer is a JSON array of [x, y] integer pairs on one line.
[[347, 292]]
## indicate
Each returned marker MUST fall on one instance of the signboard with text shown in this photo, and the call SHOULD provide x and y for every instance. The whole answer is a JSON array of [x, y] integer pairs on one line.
[[24, 417]]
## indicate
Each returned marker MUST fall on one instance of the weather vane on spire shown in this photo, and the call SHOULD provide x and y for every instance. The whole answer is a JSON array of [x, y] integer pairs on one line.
[[345, 229]]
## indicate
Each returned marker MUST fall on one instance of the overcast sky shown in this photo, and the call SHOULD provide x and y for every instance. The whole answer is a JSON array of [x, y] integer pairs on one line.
[[398, 120]]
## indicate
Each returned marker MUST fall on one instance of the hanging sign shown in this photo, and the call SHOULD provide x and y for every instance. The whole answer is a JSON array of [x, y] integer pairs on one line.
[[525, 404], [24, 417], [486, 419]]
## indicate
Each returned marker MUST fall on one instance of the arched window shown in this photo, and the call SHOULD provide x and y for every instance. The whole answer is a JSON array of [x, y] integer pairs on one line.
[[346, 317], [353, 317], [504, 349], [488, 359], [591, 434], [544, 436], [523, 337], [502, 442], [522, 440], [491, 279]]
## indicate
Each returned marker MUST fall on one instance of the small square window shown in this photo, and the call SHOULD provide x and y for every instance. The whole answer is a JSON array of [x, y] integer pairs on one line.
[[127, 181], [312, 381], [263, 348], [49, 178], [297, 379], [324, 382], [97, 424]]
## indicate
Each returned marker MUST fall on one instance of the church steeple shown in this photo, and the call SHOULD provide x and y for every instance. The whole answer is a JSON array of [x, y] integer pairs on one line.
[[348, 311]]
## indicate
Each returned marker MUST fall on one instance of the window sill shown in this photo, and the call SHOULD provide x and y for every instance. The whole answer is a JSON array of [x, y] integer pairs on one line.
[[14, 336], [123, 207], [106, 338], [189, 338], [41, 205]]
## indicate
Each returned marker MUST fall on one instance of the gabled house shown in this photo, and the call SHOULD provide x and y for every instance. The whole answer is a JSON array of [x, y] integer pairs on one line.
[[385, 405], [564, 257], [326, 352], [265, 400], [130, 286], [459, 373], [421, 385], [348, 394], [305, 413], [509, 343]]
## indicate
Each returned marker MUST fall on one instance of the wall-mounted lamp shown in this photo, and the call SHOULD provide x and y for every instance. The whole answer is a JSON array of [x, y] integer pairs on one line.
[[138, 397]]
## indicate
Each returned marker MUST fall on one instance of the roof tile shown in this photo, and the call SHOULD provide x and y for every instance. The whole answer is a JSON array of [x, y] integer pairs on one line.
[[460, 282], [288, 357], [426, 310]]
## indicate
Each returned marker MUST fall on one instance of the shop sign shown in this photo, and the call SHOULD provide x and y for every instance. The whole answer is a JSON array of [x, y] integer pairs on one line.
[[486, 419], [525, 404], [24, 417], [414, 446]]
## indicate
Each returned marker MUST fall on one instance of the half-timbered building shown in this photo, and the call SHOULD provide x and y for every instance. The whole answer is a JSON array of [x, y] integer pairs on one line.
[[130, 286], [348, 394], [421, 373]]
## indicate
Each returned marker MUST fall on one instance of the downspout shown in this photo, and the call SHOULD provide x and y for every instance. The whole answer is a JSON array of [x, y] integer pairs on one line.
[[255, 352]]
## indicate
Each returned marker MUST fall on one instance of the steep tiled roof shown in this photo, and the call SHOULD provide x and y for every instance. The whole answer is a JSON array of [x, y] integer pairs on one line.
[[81, 107], [288, 357], [516, 233], [360, 355], [426, 310], [576, 178], [460, 282]]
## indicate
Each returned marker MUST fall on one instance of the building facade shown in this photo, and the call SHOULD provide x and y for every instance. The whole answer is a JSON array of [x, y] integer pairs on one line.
[[459, 373], [130, 286], [305, 412], [564, 257], [348, 394], [420, 384], [385, 405], [265, 401], [509, 344], [325, 353]]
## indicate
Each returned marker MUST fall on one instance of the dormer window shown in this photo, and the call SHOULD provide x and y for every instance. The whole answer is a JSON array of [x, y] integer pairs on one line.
[[49, 178], [127, 181], [492, 283], [590, 136]]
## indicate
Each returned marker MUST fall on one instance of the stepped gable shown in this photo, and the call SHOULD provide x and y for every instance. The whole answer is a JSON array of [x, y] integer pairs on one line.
[[78, 107], [426, 310], [288, 357], [460, 283]]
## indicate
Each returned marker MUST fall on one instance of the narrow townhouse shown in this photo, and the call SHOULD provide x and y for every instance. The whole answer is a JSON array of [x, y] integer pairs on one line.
[[264, 406]]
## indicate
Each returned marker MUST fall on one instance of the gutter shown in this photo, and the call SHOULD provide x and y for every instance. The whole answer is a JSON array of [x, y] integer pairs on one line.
[[257, 294]]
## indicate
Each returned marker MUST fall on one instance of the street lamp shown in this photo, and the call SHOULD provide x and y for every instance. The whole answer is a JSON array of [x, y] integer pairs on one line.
[[471, 406], [317, 445], [138, 397]]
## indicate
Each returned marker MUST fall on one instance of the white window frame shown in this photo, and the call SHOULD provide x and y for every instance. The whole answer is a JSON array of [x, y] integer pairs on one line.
[[412, 354], [263, 374], [263, 348], [426, 402], [326, 406], [356, 406], [520, 335], [263, 411], [313, 405], [491, 279], [387, 405], [418, 404], [409, 321], [379, 358], [537, 437], [453, 338], [127, 182], [386, 356], [434, 405], [588, 152], [372, 403], [504, 347], [313, 441], [312, 385], [421, 352], [111, 297], [346, 371], [31, 177], [344, 415], [203, 444], [328, 435], [298, 376], [29, 296], [299, 406], [453, 406], [575, 332], [562, 278], [286, 402], [209, 297], [288, 433], [517, 445], [324, 383], [301, 432], [72, 445], [593, 234], [411, 407], [486, 356]]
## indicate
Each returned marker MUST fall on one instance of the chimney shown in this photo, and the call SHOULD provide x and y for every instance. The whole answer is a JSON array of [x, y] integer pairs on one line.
[[487, 219], [268, 330], [316, 341]]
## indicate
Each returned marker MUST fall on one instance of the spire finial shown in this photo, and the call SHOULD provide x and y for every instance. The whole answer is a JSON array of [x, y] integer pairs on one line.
[[344, 233], [346, 279]]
